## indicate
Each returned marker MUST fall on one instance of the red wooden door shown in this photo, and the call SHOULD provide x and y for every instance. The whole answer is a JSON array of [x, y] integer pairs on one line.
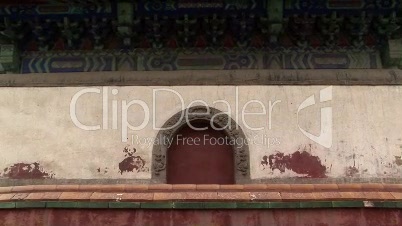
[[209, 161]]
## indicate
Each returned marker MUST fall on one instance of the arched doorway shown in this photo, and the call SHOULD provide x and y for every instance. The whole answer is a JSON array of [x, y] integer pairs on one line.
[[200, 157], [241, 159]]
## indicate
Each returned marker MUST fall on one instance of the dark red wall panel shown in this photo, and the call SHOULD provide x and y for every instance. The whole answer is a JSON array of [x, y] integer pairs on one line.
[[301, 217]]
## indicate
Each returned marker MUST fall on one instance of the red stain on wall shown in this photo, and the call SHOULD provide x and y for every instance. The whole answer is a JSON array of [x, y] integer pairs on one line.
[[26, 171], [300, 162], [132, 163]]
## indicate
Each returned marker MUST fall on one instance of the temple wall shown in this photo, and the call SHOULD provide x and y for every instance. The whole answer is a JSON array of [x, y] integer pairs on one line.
[[360, 127]]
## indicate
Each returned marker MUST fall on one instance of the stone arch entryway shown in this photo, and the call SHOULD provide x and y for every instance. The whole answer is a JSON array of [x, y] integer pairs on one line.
[[200, 114]]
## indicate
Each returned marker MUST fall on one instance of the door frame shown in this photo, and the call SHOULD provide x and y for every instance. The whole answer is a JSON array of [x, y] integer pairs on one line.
[[201, 113]]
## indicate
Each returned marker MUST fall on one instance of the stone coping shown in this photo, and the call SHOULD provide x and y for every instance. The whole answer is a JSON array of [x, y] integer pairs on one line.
[[347, 77], [344, 187], [166, 193], [199, 205]]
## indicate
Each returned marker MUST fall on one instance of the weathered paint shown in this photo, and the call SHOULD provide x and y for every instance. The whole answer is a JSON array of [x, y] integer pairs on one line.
[[302, 163], [132, 163], [367, 141], [280, 217], [26, 171]]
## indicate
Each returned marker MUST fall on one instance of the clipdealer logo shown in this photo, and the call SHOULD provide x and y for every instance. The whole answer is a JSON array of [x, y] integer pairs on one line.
[[324, 138]]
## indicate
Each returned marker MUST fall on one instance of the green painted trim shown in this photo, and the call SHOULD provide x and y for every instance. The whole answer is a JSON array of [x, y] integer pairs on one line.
[[78, 205], [284, 205], [385, 204], [7, 205], [199, 205], [309, 205], [348, 204], [399, 204], [92, 205], [124, 205], [220, 205], [55, 204], [29, 205], [253, 205], [188, 205]]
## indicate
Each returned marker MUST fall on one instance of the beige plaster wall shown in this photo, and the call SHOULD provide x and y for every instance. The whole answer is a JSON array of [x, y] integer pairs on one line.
[[38, 135]]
